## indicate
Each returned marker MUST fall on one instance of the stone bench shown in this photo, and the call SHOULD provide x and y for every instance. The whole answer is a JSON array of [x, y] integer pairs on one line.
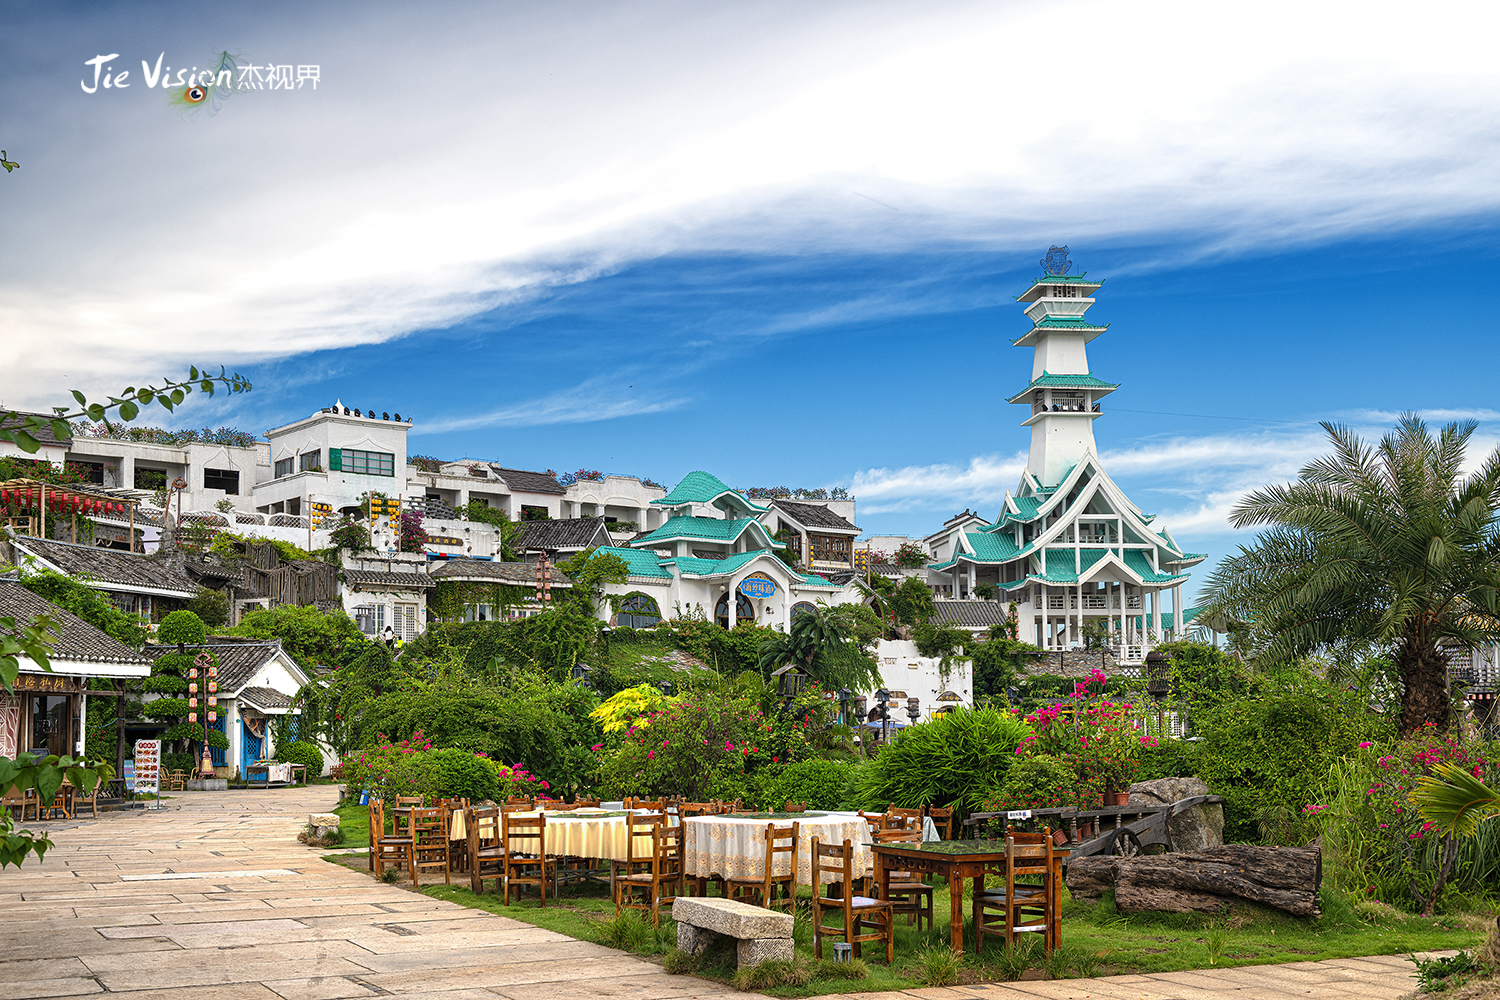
[[760, 934], [323, 823]]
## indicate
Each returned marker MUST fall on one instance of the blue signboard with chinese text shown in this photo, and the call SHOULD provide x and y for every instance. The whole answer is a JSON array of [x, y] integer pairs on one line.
[[758, 586]]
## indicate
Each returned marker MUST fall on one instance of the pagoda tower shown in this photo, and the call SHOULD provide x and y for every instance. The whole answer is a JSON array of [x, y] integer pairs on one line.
[[1082, 564]]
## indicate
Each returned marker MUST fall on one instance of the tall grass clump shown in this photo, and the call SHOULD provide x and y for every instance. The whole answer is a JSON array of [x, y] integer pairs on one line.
[[958, 759]]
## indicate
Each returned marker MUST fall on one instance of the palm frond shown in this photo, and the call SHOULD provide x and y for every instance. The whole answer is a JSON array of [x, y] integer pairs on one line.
[[1455, 801]]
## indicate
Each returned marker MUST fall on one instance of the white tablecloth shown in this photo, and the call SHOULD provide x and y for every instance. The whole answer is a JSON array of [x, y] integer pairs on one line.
[[736, 848], [584, 833]]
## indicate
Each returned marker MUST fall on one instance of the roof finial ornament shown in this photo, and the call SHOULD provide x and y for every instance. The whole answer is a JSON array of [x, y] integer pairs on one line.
[[1056, 261]]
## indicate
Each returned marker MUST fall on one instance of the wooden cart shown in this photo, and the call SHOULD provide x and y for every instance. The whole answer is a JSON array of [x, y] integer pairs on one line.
[[1122, 831]]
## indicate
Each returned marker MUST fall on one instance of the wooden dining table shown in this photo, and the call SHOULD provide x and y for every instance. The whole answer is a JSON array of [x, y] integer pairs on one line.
[[954, 860]]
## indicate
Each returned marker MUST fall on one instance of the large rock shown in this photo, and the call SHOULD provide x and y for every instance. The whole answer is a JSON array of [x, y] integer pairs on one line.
[[1208, 881], [1196, 829]]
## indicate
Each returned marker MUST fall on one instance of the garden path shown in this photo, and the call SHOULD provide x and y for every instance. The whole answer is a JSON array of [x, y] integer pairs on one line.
[[214, 893]]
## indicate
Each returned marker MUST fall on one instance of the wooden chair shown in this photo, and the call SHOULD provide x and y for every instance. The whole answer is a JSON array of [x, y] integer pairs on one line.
[[429, 848], [695, 809], [762, 891], [876, 821], [942, 819], [400, 824], [638, 845], [526, 862], [15, 799], [62, 802], [518, 801], [661, 882], [583, 803], [646, 805], [909, 894], [174, 781], [835, 863], [795, 807], [1030, 898], [486, 855], [903, 819], [91, 799], [386, 850]]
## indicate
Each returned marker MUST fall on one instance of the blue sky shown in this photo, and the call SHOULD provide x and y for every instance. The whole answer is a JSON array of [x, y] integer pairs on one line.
[[777, 241]]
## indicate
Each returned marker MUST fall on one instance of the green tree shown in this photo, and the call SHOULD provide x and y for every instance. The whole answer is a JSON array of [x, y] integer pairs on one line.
[[350, 534], [311, 637], [506, 530], [824, 644], [87, 603], [589, 571], [912, 602], [1390, 548], [211, 606]]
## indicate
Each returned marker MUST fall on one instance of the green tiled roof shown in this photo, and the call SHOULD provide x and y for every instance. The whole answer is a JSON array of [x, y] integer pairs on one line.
[[1136, 560], [814, 580], [992, 548], [1026, 512], [641, 563], [1189, 557], [1046, 380], [693, 566], [1062, 279], [1059, 564], [1069, 323], [702, 487], [713, 529]]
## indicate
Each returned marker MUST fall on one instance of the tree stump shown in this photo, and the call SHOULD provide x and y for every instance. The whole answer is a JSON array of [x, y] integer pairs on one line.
[[1208, 881]]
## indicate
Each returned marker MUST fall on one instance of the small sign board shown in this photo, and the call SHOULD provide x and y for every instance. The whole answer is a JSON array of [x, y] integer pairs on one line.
[[758, 585], [148, 766], [1018, 814], [129, 775]]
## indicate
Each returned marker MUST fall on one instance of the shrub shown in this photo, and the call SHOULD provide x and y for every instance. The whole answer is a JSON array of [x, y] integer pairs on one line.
[[181, 627], [461, 774], [178, 762], [822, 784], [956, 760], [1039, 781], [302, 752]]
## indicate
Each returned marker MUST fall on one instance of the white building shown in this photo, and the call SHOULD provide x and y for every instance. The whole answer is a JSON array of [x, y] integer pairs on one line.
[[713, 555], [1068, 546]]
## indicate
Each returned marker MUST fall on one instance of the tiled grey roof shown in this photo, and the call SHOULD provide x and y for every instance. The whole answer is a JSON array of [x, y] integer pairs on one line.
[[78, 639], [529, 482], [217, 573], [237, 661], [490, 571], [381, 578], [264, 698], [43, 434], [970, 614], [811, 515], [566, 533], [110, 566]]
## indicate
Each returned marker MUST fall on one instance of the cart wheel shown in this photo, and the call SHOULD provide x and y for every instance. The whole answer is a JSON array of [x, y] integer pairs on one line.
[[1125, 845]]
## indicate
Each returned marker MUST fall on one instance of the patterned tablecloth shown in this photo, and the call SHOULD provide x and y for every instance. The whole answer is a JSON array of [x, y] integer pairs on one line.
[[724, 846], [583, 834]]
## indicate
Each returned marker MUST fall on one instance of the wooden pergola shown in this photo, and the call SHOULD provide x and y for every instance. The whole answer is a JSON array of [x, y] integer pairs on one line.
[[37, 500]]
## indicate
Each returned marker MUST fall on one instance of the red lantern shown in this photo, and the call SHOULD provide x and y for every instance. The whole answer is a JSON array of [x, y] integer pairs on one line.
[[192, 703], [213, 716]]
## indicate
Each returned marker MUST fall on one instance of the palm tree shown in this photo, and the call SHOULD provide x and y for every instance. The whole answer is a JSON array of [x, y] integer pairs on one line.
[[1389, 548], [1455, 801]]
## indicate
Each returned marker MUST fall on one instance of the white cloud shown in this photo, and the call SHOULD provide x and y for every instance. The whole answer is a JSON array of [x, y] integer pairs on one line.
[[587, 402], [466, 156]]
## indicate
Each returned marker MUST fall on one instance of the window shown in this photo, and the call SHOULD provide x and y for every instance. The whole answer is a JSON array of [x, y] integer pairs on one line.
[[227, 480], [405, 622], [802, 608], [150, 479], [744, 611], [283, 467], [638, 611], [529, 513], [92, 472], [310, 460], [832, 548], [363, 463], [370, 618]]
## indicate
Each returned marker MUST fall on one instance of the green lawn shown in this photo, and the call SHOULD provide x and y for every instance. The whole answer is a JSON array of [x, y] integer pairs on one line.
[[1096, 939]]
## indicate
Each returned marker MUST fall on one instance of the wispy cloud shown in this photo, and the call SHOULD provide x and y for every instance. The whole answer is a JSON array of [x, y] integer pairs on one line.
[[543, 145], [588, 402]]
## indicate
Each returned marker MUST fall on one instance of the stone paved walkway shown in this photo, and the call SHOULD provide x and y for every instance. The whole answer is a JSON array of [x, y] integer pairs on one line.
[[213, 899]]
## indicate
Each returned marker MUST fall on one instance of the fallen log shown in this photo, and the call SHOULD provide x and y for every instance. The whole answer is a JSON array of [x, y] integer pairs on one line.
[[1207, 881]]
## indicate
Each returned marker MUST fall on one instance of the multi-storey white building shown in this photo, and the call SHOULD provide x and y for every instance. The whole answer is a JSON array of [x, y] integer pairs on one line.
[[1068, 546]]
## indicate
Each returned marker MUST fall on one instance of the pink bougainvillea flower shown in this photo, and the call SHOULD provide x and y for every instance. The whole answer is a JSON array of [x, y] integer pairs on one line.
[[650, 754], [1366, 746]]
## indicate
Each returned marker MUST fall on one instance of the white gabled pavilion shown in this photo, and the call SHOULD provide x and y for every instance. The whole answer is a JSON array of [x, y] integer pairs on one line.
[[1069, 548]]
